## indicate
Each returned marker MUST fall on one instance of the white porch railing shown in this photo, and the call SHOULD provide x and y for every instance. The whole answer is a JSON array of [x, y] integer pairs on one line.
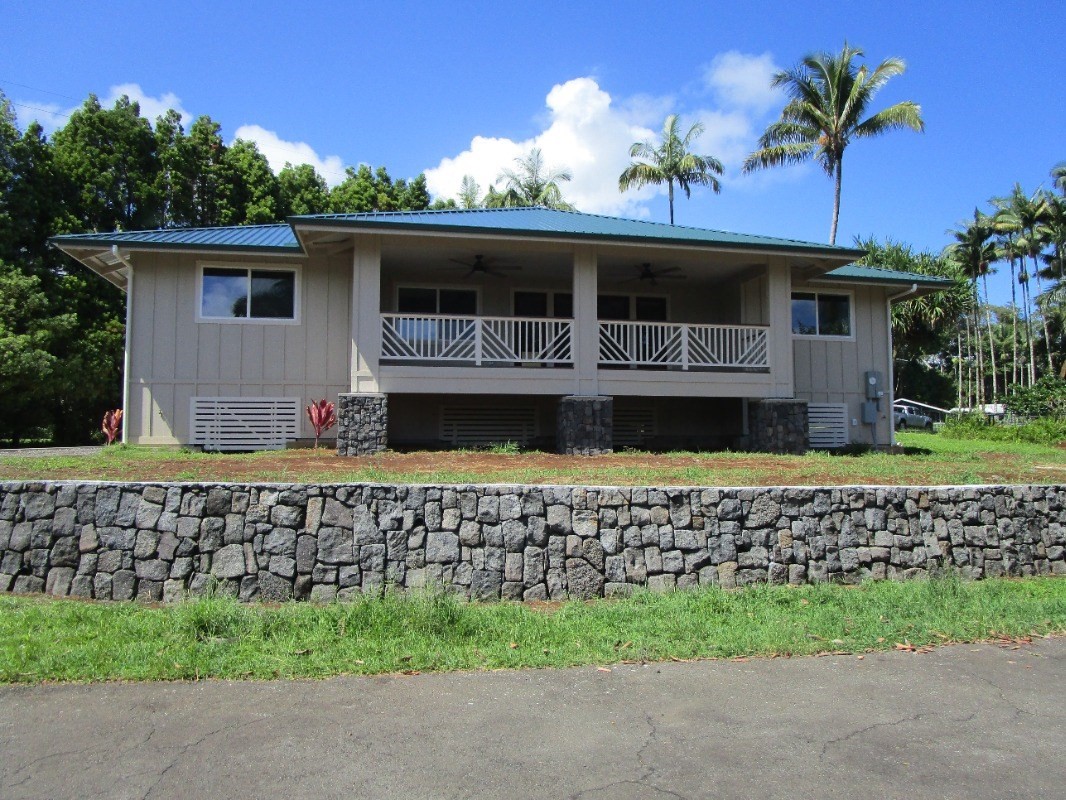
[[485, 341], [665, 344]]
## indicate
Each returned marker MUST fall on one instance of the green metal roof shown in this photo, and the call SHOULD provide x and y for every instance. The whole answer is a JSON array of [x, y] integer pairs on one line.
[[278, 237], [853, 273], [535, 222], [546, 222]]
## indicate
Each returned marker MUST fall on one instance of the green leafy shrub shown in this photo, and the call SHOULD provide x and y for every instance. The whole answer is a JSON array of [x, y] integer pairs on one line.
[[1046, 398], [1043, 430]]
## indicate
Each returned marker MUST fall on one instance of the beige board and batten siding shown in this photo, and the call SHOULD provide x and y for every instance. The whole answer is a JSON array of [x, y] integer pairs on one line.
[[174, 357], [831, 369]]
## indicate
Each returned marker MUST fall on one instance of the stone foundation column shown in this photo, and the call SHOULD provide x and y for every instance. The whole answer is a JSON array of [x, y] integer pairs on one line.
[[585, 426], [778, 426], [362, 424]]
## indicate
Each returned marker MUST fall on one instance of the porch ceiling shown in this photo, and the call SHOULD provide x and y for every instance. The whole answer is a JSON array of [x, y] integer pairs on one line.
[[550, 261]]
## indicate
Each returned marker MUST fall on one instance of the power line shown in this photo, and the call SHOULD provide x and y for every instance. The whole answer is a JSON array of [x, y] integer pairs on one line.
[[37, 89], [42, 110]]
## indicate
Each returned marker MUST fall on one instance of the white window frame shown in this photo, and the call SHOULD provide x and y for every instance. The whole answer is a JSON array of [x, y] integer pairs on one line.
[[437, 287], [297, 292], [825, 337]]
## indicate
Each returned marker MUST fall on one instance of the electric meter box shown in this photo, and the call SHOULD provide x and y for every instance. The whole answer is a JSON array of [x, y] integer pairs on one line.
[[875, 385], [869, 412]]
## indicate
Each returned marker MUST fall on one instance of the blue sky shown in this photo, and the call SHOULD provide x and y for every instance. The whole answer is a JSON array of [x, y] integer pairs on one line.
[[456, 87]]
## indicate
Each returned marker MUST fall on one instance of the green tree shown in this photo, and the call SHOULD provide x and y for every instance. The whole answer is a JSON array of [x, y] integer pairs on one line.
[[28, 368], [207, 174], [302, 191], [671, 162], [252, 192], [174, 182], [412, 195], [109, 162], [9, 138], [532, 183], [829, 96], [31, 198], [365, 189], [469, 193]]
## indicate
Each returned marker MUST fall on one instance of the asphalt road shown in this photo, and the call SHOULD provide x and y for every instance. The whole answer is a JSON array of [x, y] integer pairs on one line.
[[971, 722]]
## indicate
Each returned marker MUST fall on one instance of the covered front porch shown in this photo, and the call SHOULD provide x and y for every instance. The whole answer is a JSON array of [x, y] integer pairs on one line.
[[430, 313]]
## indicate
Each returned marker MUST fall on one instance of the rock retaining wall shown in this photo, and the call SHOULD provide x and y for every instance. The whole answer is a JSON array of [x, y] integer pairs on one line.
[[161, 542]]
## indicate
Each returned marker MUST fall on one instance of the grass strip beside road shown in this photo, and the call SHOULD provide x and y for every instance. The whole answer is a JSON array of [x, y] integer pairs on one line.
[[64, 640]]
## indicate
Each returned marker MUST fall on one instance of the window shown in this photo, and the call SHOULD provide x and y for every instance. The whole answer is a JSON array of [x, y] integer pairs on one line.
[[238, 293], [559, 305], [627, 307], [418, 300], [820, 314]]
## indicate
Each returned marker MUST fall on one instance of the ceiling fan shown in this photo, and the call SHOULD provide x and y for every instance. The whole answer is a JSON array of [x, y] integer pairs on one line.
[[653, 276], [484, 266]]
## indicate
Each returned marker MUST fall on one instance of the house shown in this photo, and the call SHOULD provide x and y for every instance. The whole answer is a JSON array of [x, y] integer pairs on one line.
[[559, 329]]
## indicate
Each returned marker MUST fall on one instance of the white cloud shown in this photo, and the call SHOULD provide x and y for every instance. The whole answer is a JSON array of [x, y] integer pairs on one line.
[[151, 107], [53, 116], [590, 134], [743, 81], [278, 151], [727, 135], [585, 134]]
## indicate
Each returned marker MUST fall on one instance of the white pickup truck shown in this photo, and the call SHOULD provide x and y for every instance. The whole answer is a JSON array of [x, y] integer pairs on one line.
[[904, 416]]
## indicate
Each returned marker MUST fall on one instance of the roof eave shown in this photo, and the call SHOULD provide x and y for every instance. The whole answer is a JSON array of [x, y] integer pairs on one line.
[[89, 252], [922, 289], [844, 255]]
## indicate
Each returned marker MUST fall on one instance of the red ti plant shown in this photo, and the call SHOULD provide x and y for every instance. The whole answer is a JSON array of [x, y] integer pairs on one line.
[[322, 417], [112, 425]]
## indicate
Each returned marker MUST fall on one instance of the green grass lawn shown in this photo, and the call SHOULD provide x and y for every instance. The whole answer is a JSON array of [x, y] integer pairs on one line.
[[64, 640], [927, 459]]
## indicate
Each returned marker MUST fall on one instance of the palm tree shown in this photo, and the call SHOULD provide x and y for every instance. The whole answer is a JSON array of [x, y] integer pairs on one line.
[[469, 193], [1007, 228], [532, 184], [974, 250], [671, 162], [1055, 223], [829, 96], [1058, 177], [1031, 214]]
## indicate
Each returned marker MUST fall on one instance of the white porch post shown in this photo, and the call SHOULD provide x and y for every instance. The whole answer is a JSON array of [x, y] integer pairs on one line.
[[586, 326], [779, 302], [366, 314]]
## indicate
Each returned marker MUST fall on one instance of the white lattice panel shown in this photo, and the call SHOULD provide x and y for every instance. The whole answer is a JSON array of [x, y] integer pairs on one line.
[[828, 425], [244, 423]]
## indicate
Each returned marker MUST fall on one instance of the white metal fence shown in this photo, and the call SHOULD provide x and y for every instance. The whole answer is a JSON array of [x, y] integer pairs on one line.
[[497, 341], [479, 340], [664, 344]]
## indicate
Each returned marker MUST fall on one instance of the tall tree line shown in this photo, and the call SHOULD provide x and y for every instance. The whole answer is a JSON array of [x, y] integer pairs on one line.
[[1001, 349], [62, 327]]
